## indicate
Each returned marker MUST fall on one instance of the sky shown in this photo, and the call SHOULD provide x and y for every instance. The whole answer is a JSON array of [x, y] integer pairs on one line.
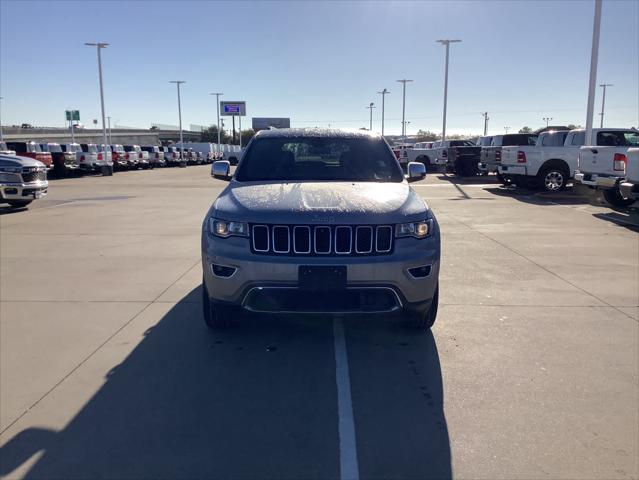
[[319, 63]]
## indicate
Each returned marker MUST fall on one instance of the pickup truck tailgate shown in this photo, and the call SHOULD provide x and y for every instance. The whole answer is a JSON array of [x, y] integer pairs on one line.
[[602, 160]]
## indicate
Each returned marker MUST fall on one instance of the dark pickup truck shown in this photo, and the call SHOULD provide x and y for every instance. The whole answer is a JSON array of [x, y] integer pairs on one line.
[[460, 156]]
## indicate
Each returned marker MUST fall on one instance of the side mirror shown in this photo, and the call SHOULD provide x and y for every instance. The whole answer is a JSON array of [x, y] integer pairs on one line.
[[221, 170], [416, 171]]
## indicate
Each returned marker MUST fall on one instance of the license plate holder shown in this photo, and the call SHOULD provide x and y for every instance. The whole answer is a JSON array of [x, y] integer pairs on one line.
[[322, 278]]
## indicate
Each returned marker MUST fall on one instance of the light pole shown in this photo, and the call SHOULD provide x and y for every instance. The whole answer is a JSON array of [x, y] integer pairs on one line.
[[1, 137], [370, 107], [109, 123], [547, 119], [106, 170], [447, 44], [594, 58], [403, 82], [506, 128], [603, 100], [178, 83], [485, 115], [383, 93], [217, 102]]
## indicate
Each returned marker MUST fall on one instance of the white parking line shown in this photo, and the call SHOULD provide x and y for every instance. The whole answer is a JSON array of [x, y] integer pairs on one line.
[[348, 467]]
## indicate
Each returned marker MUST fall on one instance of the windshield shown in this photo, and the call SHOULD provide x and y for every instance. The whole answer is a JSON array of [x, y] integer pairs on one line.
[[319, 158], [53, 148], [618, 139], [461, 143]]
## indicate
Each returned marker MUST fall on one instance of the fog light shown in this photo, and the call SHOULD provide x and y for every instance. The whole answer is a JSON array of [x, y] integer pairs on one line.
[[222, 270], [420, 272]]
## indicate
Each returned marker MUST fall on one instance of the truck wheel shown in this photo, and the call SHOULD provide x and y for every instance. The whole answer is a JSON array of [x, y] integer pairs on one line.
[[614, 198], [18, 203], [553, 179], [216, 316], [504, 179], [425, 320], [425, 161]]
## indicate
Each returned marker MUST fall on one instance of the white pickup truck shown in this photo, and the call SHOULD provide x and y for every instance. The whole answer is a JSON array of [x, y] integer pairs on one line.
[[549, 164], [605, 163], [421, 152]]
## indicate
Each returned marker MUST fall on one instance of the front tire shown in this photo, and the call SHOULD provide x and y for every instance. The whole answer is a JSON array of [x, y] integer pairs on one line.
[[614, 198], [216, 316], [425, 320]]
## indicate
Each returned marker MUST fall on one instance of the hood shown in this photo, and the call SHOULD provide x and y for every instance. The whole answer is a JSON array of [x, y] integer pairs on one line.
[[18, 161], [319, 202]]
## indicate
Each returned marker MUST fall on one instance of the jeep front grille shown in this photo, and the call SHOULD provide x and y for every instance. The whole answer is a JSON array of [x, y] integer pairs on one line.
[[322, 240]]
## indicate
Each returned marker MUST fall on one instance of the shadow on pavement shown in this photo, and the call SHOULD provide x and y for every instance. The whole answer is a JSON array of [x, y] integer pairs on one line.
[[8, 210], [256, 401]]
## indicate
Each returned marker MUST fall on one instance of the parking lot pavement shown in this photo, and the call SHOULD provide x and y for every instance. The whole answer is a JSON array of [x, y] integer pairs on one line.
[[106, 368]]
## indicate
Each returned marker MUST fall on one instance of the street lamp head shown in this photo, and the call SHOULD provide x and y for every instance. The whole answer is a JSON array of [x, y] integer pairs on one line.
[[446, 42], [177, 81], [98, 44], [216, 93]]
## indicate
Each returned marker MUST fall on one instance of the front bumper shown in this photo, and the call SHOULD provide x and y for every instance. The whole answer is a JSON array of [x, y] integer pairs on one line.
[[597, 181], [23, 191], [255, 271], [512, 169]]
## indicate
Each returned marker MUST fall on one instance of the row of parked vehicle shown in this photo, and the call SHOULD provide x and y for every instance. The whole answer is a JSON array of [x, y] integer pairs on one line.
[[608, 160], [66, 159]]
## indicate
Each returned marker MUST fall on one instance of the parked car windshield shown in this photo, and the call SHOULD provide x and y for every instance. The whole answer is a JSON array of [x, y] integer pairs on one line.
[[618, 139], [319, 158], [461, 143], [53, 148]]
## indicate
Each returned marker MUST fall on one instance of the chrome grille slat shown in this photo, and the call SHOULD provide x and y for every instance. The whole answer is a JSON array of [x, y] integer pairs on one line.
[[297, 248], [322, 240], [254, 230], [315, 242], [370, 239], [380, 231], [338, 250], [281, 230]]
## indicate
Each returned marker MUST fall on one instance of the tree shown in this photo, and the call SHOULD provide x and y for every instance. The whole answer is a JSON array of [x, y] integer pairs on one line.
[[426, 136], [210, 135], [525, 130], [572, 126], [247, 135]]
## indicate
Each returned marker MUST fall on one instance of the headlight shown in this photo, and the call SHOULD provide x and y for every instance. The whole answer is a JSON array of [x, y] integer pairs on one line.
[[415, 229], [223, 228]]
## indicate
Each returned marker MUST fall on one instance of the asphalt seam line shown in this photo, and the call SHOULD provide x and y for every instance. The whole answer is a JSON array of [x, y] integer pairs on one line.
[[348, 466], [85, 359]]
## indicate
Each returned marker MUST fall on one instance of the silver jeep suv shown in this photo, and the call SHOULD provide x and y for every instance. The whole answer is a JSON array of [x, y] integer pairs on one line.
[[319, 221]]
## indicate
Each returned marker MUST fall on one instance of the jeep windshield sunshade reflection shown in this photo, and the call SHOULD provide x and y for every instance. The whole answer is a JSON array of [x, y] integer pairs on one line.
[[319, 159]]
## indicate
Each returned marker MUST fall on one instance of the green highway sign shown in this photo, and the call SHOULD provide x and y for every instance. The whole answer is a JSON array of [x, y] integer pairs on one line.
[[72, 115]]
